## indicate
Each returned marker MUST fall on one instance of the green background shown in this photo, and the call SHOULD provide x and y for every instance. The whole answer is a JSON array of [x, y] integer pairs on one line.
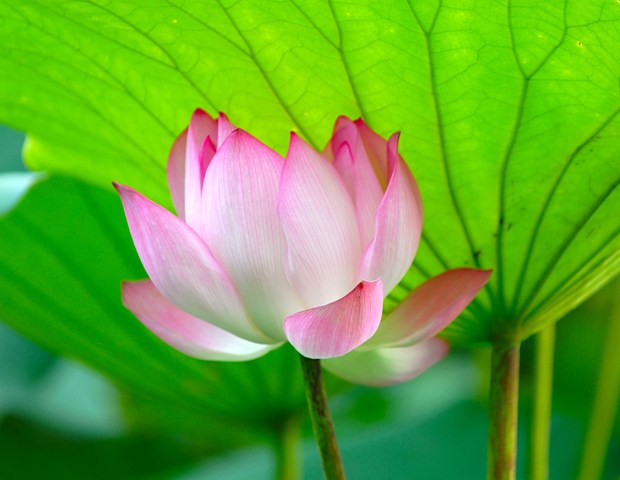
[[509, 119]]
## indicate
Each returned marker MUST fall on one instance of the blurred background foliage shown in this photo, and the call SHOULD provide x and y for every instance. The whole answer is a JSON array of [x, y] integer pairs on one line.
[[61, 419], [504, 107]]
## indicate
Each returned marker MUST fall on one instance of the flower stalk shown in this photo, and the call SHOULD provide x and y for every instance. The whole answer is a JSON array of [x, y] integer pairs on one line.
[[541, 412], [504, 399], [322, 425]]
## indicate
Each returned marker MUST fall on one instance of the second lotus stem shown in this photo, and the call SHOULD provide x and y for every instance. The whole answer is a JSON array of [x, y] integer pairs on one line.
[[541, 412], [606, 400], [288, 449]]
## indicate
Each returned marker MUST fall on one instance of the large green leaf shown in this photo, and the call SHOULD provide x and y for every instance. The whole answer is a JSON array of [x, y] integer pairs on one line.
[[508, 112], [64, 251]]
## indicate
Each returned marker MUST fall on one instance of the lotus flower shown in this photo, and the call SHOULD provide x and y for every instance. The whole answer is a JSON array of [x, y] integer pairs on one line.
[[303, 249]]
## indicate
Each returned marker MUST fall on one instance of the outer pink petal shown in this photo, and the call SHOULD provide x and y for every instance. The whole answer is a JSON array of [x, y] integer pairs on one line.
[[184, 332], [353, 165], [430, 308], [387, 366], [243, 231], [398, 227], [318, 218], [176, 173], [337, 328], [182, 267]]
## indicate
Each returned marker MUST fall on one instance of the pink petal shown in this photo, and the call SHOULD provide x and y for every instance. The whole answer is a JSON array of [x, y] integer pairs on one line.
[[387, 366], [345, 133], [176, 173], [241, 227], [184, 332], [318, 218], [182, 267], [354, 167], [201, 135], [339, 327], [398, 227], [430, 308]]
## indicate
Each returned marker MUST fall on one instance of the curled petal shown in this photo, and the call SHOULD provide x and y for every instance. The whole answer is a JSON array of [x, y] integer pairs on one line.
[[337, 328], [430, 308], [182, 267], [242, 229], [183, 331], [398, 227], [376, 150], [201, 135], [387, 366], [201, 126], [318, 218], [374, 146], [224, 128]]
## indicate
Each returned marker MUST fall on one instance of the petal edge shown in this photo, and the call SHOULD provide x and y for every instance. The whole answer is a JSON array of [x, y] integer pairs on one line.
[[430, 308], [387, 366], [184, 332]]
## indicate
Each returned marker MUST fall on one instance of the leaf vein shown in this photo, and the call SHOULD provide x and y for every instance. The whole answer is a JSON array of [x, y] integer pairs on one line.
[[161, 48], [268, 80], [565, 245], [441, 137]]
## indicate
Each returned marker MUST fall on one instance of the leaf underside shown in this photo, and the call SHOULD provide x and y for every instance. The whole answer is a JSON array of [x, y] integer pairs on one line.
[[508, 113]]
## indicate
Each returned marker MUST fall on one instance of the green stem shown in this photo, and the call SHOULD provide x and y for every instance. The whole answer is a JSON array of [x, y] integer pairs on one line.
[[321, 419], [287, 447], [504, 400], [605, 403], [541, 414]]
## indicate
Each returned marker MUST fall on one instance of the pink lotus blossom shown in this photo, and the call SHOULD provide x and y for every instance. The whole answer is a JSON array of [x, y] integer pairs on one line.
[[302, 249]]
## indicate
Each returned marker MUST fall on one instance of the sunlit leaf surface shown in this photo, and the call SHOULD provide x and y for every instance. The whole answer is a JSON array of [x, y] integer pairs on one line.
[[508, 112]]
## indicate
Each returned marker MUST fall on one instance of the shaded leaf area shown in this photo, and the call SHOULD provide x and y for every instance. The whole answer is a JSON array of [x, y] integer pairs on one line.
[[28, 452], [508, 112], [64, 251], [23, 363]]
